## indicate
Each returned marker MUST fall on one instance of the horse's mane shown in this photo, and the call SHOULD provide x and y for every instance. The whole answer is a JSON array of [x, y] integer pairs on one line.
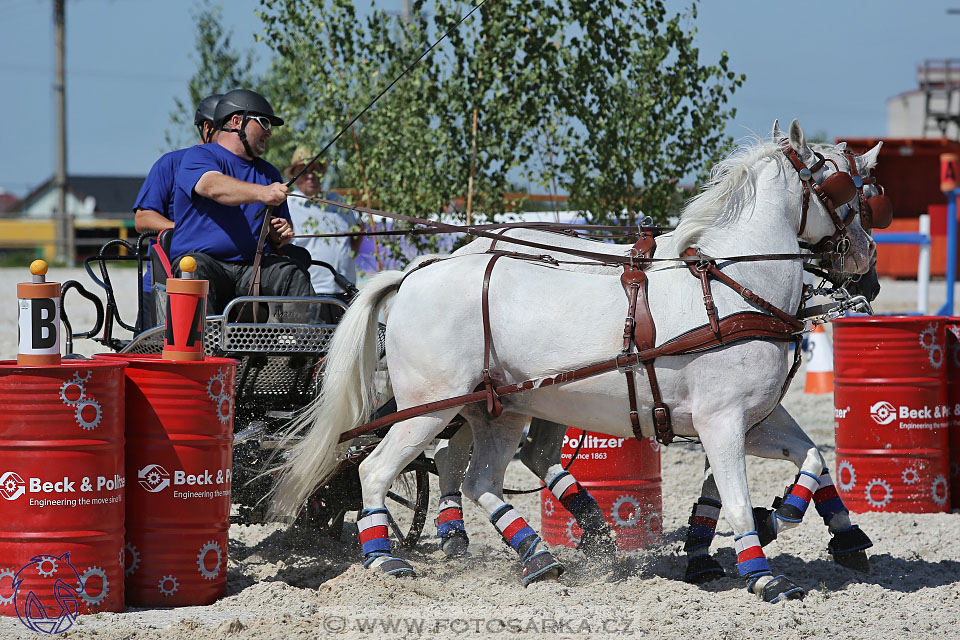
[[731, 186]]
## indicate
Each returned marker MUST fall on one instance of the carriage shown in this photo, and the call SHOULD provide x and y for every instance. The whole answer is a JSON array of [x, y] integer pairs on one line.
[[279, 371]]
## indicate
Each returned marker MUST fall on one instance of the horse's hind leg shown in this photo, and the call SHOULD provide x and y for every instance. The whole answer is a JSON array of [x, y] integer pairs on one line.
[[541, 454], [701, 567], [451, 458], [404, 442], [493, 447], [723, 440]]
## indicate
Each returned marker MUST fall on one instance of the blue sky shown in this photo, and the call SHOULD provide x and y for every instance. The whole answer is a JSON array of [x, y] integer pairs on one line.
[[831, 64]]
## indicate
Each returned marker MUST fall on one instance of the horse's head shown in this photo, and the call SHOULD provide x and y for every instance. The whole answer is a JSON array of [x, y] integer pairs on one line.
[[829, 222]]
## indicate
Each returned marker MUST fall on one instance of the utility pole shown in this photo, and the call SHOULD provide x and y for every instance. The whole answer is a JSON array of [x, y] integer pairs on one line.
[[405, 11], [66, 247]]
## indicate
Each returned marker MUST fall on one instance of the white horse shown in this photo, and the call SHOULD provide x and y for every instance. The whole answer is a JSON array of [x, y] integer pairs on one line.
[[779, 436], [546, 321]]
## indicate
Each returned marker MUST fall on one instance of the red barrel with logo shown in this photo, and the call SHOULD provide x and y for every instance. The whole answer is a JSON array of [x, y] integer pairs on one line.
[[62, 490], [891, 413], [953, 404], [623, 476], [179, 417]]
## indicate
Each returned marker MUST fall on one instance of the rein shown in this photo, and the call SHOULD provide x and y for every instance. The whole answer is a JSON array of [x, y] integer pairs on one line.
[[603, 258]]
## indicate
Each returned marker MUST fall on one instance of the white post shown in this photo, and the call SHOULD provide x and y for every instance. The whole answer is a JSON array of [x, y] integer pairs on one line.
[[923, 268]]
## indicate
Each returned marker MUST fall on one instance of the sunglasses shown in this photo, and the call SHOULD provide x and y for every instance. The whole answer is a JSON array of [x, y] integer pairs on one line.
[[263, 121]]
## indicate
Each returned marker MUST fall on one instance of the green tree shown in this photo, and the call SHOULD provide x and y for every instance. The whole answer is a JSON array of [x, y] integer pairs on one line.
[[639, 109], [220, 68]]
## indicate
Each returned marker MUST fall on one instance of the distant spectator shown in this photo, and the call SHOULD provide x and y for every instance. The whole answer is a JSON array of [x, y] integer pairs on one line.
[[312, 218]]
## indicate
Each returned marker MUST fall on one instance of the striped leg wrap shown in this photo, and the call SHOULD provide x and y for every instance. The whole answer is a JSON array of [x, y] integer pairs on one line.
[[525, 541], [750, 559], [450, 520], [703, 526], [577, 501], [374, 528], [798, 498], [826, 498]]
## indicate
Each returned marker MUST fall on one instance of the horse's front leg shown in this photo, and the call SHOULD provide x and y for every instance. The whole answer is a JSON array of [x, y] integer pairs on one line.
[[722, 433], [780, 436], [493, 445]]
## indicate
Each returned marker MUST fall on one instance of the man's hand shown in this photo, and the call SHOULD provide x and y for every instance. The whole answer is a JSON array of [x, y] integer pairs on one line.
[[274, 194], [281, 232]]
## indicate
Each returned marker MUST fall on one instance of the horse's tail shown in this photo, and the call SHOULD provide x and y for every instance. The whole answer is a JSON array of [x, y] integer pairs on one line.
[[346, 399]]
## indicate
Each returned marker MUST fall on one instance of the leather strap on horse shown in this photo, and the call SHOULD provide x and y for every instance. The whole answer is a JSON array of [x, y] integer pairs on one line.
[[640, 332], [494, 406], [745, 325]]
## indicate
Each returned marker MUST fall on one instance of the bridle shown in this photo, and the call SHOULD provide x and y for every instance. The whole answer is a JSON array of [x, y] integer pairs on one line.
[[876, 212], [836, 188]]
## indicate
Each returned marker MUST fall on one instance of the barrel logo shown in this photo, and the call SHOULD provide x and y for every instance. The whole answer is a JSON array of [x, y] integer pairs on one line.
[[153, 478], [12, 486], [883, 412]]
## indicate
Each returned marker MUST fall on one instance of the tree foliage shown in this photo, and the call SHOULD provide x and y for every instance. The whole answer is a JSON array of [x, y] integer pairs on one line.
[[607, 101]]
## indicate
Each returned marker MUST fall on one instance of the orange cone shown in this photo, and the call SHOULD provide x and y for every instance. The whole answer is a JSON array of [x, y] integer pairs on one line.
[[820, 366]]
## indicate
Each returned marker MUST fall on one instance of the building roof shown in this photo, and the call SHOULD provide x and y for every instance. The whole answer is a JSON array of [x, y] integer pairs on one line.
[[113, 194]]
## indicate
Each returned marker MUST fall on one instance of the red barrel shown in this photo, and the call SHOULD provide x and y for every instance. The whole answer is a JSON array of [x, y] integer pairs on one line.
[[179, 420], [891, 413], [62, 490], [623, 475], [953, 404]]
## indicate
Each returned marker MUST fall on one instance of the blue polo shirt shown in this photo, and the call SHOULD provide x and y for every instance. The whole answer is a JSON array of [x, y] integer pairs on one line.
[[220, 231], [156, 193]]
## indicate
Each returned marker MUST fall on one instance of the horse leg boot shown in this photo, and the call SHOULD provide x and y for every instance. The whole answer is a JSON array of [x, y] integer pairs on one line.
[[451, 458], [403, 442], [779, 436], [725, 450], [493, 447], [541, 454], [701, 567]]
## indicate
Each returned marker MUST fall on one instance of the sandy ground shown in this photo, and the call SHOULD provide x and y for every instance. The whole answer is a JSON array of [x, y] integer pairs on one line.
[[289, 585]]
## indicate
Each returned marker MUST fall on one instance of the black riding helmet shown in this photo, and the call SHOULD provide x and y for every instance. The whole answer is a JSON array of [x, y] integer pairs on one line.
[[206, 112], [245, 102], [207, 109]]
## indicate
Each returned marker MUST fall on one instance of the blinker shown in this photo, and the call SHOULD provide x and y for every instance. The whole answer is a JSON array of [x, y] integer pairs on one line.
[[880, 212], [839, 188]]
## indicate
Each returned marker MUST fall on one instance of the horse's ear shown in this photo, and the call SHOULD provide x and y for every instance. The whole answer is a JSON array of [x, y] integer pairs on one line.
[[797, 139], [775, 132], [869, 159], [840, 147]]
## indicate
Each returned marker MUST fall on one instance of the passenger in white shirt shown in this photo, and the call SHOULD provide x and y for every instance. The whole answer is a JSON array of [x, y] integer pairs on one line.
[[311, 218]]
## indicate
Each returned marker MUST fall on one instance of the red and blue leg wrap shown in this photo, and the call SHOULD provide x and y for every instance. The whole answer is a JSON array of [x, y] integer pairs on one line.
[[703, 526], [577, 501], [515, 530], [751, 562], [374, 528], [450, 519], [826, 498], [797, 500]]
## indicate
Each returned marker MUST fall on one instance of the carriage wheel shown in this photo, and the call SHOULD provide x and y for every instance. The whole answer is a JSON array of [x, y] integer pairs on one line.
[[408, 501]]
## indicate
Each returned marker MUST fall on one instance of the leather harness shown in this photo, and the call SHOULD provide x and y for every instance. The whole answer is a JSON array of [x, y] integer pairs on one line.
[[639, 335]]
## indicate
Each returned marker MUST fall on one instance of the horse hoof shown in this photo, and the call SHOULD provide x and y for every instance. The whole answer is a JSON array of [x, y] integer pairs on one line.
[[703, 569], [390, 566], [848, 540], [455, 545], [856, 560], [780, 588], [599, 547], [541, 566]]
